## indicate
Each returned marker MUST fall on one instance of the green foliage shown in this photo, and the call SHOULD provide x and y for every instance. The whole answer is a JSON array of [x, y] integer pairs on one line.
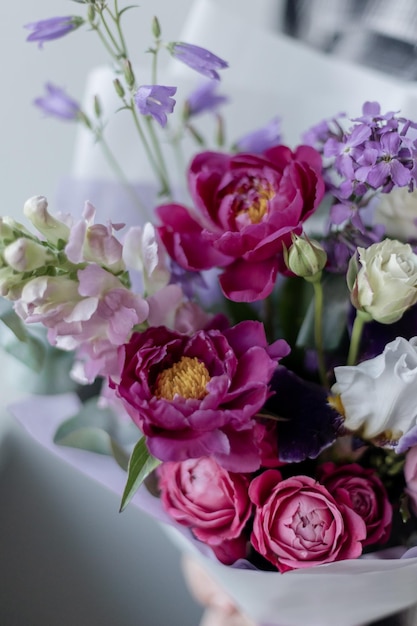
[[335, 311], [98, 430], [17, 340], [141, 464]]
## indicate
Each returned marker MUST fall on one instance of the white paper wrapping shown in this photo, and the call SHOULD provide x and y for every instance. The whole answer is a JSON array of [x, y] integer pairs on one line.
[[346, 593]]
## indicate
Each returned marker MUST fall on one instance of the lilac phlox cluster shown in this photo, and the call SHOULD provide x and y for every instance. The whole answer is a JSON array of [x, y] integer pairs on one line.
[[374, 153], [52, 28], [57, 103]]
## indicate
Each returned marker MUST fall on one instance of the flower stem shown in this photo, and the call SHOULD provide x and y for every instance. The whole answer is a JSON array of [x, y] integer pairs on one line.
[[355, 340], [318, 330], [159, 155], [119, 29], [268, 315], [165, 190], [121, 175]]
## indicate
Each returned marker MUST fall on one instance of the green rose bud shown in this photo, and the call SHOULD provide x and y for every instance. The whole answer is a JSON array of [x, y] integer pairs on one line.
[[305, 258]]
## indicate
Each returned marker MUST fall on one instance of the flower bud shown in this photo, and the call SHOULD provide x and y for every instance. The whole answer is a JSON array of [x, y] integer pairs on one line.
[[26, 255], [11, 284], [156, 28], [91, 13], [128, 73], [119, 88], [305, 258], [97, 106], [36, 211], [7, 232]]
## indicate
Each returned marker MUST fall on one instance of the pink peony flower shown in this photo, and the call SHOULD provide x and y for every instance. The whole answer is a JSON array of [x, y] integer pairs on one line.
[[410, 474], [299, 524], [247, 207], [214, 503], [197, 395], [367, 494]]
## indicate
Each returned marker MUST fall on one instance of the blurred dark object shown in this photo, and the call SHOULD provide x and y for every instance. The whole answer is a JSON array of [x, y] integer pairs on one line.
[[380, 34]]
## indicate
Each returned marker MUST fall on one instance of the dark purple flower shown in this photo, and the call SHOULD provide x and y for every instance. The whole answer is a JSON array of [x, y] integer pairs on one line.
[[260, 140], [205, 99], [52, 28], [58, 104], [198, 395], [156, 100], [309, 424], [199, 59]]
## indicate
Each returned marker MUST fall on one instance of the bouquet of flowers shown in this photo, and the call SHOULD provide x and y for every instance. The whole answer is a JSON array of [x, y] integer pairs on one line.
[[249, 356]]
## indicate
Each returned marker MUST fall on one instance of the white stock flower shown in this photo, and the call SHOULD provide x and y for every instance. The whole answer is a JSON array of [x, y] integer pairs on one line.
[[379, 396], [25, 255], [383, 280], [36, 210], [397, 211], [143, 251]]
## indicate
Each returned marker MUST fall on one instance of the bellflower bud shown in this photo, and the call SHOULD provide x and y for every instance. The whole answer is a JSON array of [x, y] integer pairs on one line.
[[26, 255], [128, 74], [36, 211], [305, 258], [156, 28], [119, 88]]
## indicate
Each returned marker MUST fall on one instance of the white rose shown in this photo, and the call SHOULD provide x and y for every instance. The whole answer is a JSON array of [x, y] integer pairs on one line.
[[383, 280], [397, 211], [379, 396]]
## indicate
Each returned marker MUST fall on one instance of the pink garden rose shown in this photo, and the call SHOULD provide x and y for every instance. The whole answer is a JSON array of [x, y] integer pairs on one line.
[[299, 524], [367, 494], [214, 503], [410, 474], [246, 207], [197, 395]]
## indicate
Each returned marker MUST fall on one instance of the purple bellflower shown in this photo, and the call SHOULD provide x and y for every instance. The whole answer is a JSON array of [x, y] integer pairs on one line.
[[204, 99], [260, 140], [58, 104], [199, 59], [155, 100], [52, 28]]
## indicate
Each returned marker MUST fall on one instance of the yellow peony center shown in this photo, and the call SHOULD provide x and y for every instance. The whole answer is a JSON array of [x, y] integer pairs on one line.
[[186, 378], [252, 198]]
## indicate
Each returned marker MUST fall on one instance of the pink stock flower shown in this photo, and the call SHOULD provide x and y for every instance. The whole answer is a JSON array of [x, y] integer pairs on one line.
[[367, 494], [299, 524], [247, 206], [96, 243], [91, 316], [198, 396], [214, 503]]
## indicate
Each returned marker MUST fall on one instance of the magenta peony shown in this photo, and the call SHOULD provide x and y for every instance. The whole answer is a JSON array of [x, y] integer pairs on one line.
[[214, 503], [247, 206], [197, 395], [299, 524], [367, 494]]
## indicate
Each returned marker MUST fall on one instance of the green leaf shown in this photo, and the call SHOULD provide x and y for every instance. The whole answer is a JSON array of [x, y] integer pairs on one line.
[[240, 311], [335, 311], [141, 464], [17, 340], [98, 430]]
